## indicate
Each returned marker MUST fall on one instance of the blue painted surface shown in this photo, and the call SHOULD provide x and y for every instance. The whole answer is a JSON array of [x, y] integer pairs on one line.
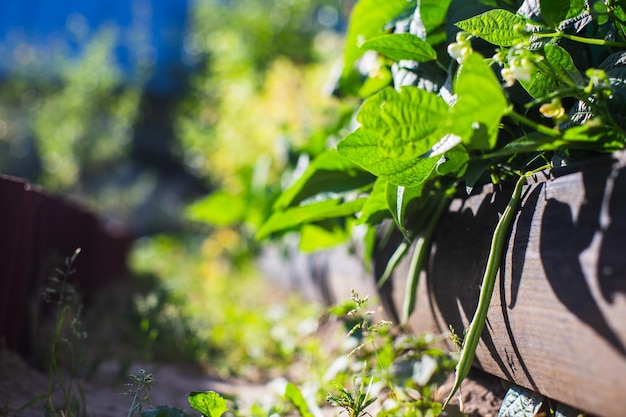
[[148, 31]]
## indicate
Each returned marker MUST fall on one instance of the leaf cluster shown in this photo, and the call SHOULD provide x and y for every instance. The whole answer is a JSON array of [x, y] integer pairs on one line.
[[517, 92], [451, 105]]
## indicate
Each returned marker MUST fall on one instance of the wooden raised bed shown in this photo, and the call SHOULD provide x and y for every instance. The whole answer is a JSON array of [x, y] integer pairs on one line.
[[557, 320]]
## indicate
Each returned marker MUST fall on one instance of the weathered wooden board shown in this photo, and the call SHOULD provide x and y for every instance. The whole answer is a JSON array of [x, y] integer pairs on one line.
[[557, 320]]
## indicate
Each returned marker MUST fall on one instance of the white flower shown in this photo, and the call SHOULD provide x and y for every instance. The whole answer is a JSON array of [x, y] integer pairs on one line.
[[522, 69], [508, 76], [459, 50]]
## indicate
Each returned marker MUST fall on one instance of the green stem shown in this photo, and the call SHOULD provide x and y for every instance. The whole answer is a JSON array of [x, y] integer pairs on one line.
[[530, 123], [593, 41], [475, 329], [580, 39]]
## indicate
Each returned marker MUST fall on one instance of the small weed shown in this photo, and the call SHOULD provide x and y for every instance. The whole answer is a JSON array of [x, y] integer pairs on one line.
[[68, 333], [139, 388], [354, 403], [404, 369]]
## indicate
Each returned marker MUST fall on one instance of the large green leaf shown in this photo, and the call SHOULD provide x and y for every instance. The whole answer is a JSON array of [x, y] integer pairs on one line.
[[433, 13], [220, 208], [402, 46], [499, 27], [328, 173], [398, 199], [408, 123], [480, 105], [556, 71], [324, 235], [367, 20], [294, 217], [365, 149], [209, 403], [556, 11], [375, 208]]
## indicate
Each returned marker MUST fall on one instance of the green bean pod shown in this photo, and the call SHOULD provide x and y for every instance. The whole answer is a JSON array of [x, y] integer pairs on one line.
[[475, 329]]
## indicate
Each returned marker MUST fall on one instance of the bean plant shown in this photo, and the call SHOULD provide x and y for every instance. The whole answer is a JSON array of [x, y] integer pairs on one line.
[[455, 95]]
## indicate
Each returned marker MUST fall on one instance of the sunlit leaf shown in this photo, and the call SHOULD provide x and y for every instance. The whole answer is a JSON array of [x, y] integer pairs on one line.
[[499, 27], [220, 208], [375, 208], [314, 237], [398, 199], [312, 212], [408, 123], [433, 13], [556, 11], [209, 403], [402, 46], [557, 71], [328, 173], [367, 20], [480, 105], [364, 148]]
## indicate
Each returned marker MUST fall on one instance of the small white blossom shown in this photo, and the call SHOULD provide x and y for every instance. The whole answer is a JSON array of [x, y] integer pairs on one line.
[[522, 69], [459, 50], [508, 76]]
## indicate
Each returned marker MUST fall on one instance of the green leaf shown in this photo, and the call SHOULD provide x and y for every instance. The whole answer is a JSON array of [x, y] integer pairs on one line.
[[480, 106], [499, 27], [365, 149], [314, 237], [433, 13], [209, 403], [294, 395], [375, 208], [556, 11], [408, 123], [220, 208], [328, 173], [453, 162], [556, 71], [367, 20], [309, 213], [398, 200], [402, 46]]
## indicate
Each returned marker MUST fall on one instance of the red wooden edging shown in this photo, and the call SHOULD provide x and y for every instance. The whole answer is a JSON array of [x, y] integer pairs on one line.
[[37, 232]]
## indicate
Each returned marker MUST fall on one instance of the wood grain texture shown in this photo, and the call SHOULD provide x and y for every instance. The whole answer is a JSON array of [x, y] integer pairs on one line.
[[557, 319]]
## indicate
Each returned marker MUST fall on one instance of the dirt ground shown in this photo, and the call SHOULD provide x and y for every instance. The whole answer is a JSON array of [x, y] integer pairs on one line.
[[20, 381]]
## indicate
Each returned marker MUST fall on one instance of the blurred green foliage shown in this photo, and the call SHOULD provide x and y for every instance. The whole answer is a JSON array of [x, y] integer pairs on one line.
[[223, 317], [74, 115], [257, 101]]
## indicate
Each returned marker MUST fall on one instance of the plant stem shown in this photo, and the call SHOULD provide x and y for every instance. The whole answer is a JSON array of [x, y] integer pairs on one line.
[[580, 39], [537, 126]]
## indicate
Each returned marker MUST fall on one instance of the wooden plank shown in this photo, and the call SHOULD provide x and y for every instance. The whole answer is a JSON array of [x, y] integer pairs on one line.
[[557, 320]]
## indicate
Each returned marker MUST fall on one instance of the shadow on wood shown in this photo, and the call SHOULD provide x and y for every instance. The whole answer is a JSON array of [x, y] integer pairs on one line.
[[556, 321]]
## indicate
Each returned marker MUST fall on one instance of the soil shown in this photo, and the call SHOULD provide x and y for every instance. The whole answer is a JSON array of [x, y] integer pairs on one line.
[[22, 380]]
